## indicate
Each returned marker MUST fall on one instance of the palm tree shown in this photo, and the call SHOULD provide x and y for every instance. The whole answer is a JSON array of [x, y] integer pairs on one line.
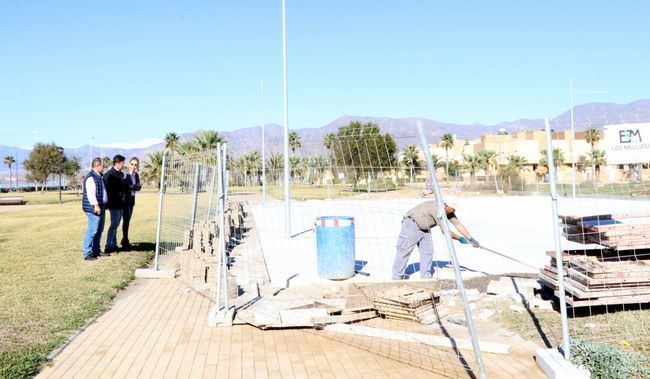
[[592, 136], [410, 159], [294, 141], [9, 160], [558, 157], [108, 162], [275, 164], [250, 164], [473, 163], [294, 166], [437, 161], [597, 159], [318, 163], [208, 140], [328, 140], [171, 141], [186, 148], [153, 167], [516, 163], [447, 142], [489, 158]]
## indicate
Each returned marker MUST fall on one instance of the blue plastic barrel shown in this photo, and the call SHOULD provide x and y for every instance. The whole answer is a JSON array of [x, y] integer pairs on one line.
[[335, 247]]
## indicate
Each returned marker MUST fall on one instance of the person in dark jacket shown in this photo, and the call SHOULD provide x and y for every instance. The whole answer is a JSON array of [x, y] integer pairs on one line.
[[114, 181], [132, 184], [93, 203]]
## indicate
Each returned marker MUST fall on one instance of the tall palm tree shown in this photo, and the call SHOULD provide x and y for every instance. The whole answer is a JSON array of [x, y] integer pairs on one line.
[[329, 140], [171, 141], [294, 141], [410, 159], [447, 142], [592, 136], [153, 167], [473, 163], [208, 140], [9, 160]]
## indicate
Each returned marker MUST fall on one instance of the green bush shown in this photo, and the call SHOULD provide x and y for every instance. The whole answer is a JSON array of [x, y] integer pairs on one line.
[[608, 362]]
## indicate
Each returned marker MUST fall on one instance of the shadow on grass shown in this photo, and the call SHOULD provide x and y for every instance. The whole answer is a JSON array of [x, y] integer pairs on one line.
[[143, 246]]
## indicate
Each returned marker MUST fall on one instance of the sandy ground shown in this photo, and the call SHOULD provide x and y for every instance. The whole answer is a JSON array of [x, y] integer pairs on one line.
[[519, 226]]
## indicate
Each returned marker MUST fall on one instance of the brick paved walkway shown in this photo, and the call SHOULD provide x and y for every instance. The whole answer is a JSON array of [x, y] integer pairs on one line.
[[156, 329]]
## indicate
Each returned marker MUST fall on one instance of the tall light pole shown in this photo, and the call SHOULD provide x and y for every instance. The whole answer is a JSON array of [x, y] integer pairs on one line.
[[263, 151], [59, 149], [573, 137], [287, 190]]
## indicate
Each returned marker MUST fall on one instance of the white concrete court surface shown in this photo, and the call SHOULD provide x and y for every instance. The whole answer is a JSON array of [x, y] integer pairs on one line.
[[519, 226]]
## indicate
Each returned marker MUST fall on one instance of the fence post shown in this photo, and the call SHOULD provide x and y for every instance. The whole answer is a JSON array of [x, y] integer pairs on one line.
[[160, 205], [219, 217], [556, 235], [197, 172], [444, 224], [222, 245], [211, 191]]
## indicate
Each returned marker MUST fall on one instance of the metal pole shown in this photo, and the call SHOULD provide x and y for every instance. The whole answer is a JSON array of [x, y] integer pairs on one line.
[[211, 191], [556, 235], [224, 262], [219, 217], [287, 190], [573, 136], [197, 172], [263, 152], [444, 224], [160, 207]]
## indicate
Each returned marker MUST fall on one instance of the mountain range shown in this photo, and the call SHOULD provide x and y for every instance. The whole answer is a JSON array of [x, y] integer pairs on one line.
[[246, 139]]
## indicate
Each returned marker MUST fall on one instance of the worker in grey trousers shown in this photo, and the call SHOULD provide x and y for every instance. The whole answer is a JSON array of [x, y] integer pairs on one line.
[[416, 227]]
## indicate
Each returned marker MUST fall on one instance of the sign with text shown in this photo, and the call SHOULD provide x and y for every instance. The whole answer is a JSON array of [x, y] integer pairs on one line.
[[627, 143]]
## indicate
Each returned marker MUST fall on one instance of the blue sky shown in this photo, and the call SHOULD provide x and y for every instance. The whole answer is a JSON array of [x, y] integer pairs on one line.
[[124, 71]]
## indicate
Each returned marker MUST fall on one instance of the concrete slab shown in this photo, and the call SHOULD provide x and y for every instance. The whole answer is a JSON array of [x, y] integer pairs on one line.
[[519, 226]]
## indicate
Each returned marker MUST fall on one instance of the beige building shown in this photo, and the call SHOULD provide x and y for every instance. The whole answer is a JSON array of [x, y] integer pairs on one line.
[[528, 144]]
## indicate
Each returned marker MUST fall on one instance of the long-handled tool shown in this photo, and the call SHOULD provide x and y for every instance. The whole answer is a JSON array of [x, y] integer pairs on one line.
[[509, 257]]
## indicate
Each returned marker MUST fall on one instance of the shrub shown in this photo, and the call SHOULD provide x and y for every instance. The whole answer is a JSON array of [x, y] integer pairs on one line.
[[609, 362]]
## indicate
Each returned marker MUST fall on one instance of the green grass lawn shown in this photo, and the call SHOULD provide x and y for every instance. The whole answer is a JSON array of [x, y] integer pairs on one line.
[[47, 291]]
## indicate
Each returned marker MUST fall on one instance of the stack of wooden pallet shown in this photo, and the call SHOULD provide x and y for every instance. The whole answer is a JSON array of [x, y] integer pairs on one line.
[[405, 303], [618, 272]]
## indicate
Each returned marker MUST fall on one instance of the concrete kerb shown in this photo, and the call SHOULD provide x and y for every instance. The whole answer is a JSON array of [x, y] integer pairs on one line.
[[554, 366], [150, 273]]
